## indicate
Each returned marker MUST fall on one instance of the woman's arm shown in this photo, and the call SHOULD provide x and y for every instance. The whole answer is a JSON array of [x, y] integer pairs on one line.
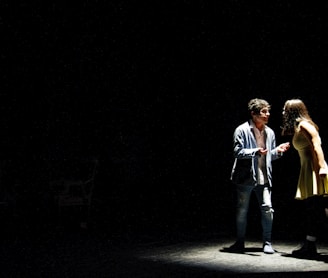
[[316, 142]]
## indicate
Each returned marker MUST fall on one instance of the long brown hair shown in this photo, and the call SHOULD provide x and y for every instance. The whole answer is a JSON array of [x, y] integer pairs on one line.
[[295, 111]]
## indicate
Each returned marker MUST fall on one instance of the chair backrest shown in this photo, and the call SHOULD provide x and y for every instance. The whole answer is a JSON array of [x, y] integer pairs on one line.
[[74, 173], [73, 168], [95, 162], [92, 176], [76, 190]]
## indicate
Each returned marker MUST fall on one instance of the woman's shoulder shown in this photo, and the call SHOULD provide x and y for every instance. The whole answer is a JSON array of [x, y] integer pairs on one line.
[[307, 126]]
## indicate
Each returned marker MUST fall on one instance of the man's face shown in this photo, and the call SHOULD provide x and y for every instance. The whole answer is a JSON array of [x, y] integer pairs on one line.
[[263, 116]]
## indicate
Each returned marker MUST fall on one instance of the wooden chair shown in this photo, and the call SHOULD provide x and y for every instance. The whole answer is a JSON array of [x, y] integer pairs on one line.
[[76, 192]]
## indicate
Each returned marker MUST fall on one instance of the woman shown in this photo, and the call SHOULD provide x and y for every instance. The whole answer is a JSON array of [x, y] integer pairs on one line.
[[313, 181]]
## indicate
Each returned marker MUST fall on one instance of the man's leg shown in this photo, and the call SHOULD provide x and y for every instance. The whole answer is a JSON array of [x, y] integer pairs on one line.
[[242, 206], [243, 195], [263, 193]]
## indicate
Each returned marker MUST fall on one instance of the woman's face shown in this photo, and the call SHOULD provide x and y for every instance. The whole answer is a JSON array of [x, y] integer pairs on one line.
[[285, 109]]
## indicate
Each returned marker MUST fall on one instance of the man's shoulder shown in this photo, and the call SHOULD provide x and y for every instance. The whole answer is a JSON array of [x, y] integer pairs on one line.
[[243, 125], [246, 123], [268, 129]]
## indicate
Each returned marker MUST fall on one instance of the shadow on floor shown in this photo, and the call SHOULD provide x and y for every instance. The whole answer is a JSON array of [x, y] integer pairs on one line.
[[82, 253]]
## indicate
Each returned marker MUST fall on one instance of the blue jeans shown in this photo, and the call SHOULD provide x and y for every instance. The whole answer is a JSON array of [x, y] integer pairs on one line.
[[263, 195]]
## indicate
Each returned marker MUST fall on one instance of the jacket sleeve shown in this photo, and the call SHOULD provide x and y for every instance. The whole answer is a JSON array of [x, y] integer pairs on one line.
[[243, 148], [274, 152]]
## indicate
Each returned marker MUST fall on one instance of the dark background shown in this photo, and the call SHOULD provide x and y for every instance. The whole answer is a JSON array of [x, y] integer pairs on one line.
[[155, 91]]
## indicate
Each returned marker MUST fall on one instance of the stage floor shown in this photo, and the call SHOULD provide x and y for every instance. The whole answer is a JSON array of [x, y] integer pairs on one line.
[[96, 255]]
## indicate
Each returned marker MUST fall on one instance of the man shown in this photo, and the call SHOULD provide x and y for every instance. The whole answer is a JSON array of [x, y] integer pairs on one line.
[[254, 149]]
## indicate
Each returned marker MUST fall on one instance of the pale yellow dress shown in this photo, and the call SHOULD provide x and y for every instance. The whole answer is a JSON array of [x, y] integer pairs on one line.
[[309, 181]]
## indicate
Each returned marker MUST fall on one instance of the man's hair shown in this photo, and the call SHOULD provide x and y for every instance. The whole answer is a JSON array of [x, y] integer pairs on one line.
[[256, 104]]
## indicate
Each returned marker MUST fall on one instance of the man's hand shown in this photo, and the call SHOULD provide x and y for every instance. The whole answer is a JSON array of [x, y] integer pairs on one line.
[[283, 147], [262, 151]]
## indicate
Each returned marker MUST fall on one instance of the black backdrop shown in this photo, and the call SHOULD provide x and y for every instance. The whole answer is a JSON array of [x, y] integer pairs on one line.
[[155, 91]]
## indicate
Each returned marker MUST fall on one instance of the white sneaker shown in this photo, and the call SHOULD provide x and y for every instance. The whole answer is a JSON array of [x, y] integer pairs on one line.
[[267, 248]]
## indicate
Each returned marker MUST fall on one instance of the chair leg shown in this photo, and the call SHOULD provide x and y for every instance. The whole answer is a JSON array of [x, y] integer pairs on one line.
[[84, 223], [59, 217]]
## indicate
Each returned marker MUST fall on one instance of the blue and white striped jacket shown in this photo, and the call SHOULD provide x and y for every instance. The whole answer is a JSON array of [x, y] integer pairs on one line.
[[244, 170]]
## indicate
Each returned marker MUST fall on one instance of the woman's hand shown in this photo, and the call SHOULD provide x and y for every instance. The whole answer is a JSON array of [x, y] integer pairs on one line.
[[323, 172]]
